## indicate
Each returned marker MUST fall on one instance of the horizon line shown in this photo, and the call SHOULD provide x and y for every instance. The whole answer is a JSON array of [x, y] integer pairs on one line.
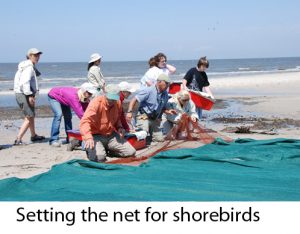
[[168, 60]]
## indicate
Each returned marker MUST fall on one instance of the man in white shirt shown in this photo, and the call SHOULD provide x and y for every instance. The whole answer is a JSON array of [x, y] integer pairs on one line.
[[26, 89]]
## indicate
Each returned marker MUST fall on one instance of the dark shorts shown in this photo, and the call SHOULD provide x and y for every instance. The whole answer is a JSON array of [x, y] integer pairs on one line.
[[23, 102]]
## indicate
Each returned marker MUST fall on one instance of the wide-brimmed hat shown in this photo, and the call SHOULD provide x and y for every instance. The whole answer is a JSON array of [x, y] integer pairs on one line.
[[112, 92], [125, 86], [88, 87], [33, 51], [95, 57]]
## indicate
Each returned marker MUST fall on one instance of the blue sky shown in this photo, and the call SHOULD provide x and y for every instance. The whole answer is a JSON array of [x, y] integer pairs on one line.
[[136, 30]]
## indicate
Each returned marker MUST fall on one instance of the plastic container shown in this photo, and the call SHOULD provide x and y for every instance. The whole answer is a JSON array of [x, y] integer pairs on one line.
[[200, 101], [132, 139]]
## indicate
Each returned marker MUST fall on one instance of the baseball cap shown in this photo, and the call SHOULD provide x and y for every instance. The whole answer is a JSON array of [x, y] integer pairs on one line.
[[33, 51], [88, 87], [112, 92], [95, 57], [163, 77], [125, 86]]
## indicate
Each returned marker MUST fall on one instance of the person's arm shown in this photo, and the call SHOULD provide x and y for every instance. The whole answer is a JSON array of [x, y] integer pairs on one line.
[[124, 122], [192, 111], [183, 85], [148, 83], [25, 80], [131, 106], [169, 109], [207, 90], [85, 124], [171, 68], [187, 79]]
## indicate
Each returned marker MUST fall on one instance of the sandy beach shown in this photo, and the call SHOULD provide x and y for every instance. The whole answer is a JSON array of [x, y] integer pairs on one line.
[[263, 106]]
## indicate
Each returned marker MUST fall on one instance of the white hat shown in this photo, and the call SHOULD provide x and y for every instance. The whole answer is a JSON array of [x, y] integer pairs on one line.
[[88, 87], [34, 51], [95, 57], [125, 86]]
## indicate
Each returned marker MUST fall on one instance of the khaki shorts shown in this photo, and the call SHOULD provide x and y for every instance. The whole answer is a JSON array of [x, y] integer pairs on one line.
[[23, 102]]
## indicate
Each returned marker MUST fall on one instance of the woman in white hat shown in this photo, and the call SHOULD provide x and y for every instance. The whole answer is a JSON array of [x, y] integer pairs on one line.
[[95, 76]]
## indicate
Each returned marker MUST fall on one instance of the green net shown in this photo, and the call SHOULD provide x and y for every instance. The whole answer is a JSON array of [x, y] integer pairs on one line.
[[243, 170]]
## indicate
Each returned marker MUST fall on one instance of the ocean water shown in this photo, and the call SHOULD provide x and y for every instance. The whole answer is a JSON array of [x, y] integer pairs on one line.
[[74, 74]]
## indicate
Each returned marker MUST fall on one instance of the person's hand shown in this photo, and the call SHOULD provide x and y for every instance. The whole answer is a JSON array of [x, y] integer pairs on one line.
[[121, 132], [171, 112], [194, 120], [183, 87], [89, 144], [31, 101], [129, 117]]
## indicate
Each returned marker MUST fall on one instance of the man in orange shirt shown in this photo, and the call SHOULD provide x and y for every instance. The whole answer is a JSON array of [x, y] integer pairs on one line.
[[101, 128]]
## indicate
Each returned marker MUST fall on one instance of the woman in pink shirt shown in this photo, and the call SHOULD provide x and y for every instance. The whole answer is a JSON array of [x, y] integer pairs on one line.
[[62, 100]]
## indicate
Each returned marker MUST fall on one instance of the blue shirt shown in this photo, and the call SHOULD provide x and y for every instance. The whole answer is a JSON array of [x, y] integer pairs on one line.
[[151, 100]]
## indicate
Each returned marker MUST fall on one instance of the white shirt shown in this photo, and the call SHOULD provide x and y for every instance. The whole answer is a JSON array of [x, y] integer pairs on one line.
[[152, 74], [189, 108], [25, 79]]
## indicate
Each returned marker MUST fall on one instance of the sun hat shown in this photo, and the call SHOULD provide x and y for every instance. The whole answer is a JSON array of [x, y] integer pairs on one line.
[[88, 87], [33, 51], [95, 57], [163, 77], [112, 92], [125, 86]]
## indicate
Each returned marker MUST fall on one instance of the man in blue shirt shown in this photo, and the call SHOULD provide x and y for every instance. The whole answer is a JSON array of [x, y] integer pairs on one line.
[[152, 104]]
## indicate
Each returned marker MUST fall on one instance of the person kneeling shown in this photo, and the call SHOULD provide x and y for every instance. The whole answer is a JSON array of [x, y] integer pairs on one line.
[[182, 104], [101, 128]]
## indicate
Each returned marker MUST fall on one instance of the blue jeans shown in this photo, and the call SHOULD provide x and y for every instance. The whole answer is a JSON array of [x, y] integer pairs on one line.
[[59, 110], [199, 112]]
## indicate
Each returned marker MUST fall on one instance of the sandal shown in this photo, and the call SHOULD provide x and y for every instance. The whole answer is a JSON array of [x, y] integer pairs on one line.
[[19, 142], [37, 138]]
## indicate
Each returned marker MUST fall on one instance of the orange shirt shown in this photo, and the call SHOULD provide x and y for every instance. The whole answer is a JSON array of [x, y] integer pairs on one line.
[[100, 119]]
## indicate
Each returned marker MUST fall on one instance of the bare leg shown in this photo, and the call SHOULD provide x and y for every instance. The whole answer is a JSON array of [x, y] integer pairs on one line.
[[31, 126], [28, 123], [23, 129]]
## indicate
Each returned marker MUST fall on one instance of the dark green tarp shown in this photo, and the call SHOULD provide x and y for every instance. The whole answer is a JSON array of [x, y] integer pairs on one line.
[[245, 170]]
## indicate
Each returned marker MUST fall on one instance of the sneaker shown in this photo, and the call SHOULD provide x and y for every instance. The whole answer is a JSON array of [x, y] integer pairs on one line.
[[37, 138], [55, 144]]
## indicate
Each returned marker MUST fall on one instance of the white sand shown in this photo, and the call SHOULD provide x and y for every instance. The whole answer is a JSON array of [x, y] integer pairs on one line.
[[272, 95]]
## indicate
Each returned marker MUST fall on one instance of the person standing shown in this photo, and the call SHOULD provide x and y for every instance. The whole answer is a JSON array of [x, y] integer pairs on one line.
[[95, 76], [158, 65], [26, 89], [196, 79], [62, 100]]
